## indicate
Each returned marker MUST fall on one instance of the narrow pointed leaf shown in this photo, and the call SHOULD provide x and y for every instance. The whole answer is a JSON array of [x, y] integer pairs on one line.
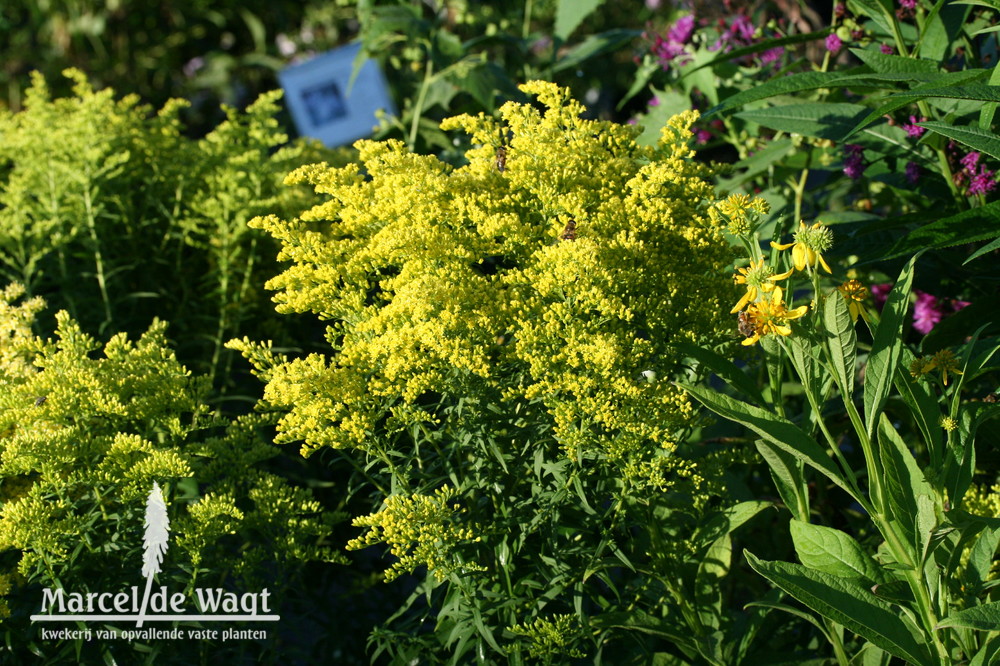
[[786, 471], [910, 498], [842, 341], [975, 138], [724, 368], [985, 617], [782, 433], [847, 603], [886, 347]]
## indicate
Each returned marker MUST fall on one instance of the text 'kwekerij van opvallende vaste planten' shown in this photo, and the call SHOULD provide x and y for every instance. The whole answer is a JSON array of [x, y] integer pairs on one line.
[[642, 333]]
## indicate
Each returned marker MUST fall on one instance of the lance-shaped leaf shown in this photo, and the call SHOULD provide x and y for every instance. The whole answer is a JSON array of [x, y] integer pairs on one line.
[[847, 603], [985, 617], [842, 341], [157, 533], [831, 551], [786, 471], [910, 498], [887, 347], [784, 434]]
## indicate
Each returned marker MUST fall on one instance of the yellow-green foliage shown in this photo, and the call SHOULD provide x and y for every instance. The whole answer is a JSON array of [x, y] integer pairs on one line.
[[446, 280], [113, 214], [85, 430], [503, 338]]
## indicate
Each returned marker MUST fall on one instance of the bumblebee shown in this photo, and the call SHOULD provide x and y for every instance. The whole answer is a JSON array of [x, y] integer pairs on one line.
[[744, 323], [569, 231]]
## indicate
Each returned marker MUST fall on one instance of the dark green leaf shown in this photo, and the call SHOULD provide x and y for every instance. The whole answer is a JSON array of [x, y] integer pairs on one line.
[[782, 433], [821, 120], [760, 47], [570, 14], [975, 138], [895, 64], [986, 249], [594, 46], [842, 341], [831, 551], [969, 226], [724, 368], [886, 348], [849, 604], [981, 560], [908, 496], [985, 617], [786, 471]]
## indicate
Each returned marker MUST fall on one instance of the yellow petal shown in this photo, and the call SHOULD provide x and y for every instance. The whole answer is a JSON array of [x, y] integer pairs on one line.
[[797, 312], [782, 330], [799, 256], [743, 301], [752, 339], [782, 246], [782, 276], [823, 262]]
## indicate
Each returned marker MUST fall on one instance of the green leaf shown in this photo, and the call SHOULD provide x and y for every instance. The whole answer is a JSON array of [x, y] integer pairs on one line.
[[712, 568], [986, 249], [670, 104], [833, 552], [975, 138], [981, 560], [820, 120], [969, 226], [895, 64], [922, 403], [985, 617], [908, 496], [847, 603], [782, 433], [886, 347], [988, 653], [893, 102], [786, 471], [594, 46], [810, 81], [727, 521], [760, 47], [570, 14], [976, 93], [842, 341]]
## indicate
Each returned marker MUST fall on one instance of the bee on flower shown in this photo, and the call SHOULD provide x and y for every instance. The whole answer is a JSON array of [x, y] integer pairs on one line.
[[770, 316], [808, 246]]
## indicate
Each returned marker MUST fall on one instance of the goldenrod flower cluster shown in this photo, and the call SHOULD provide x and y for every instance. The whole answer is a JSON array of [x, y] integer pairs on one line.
[[85, 430], [464, 281], [421, 530], [551, 637]]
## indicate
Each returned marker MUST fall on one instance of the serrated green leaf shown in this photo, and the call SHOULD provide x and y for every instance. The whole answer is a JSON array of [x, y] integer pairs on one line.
[[786, 471], [886, 348], [895, 64], [986, 249], [969, 226], [760, 47], [975, 138], [782, 433], [820, 120], [570, 14], [842, 341], [849, 604], [831, 551], [909, 498], [985, 617]]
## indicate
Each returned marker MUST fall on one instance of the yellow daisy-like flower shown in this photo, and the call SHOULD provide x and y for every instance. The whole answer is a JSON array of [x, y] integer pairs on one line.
[[771, 317], [854, 293], [758, 278], [945, 361], [809, 245]]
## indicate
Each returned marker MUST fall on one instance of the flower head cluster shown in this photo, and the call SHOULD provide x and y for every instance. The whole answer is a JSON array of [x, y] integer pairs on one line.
[[855, 294], [770, 316], [672, 50], [741, 212], [912, 129], [759, 279], [854, 161], [833, 43], [927, 312], [943, 360], [808, 246], [979, 179]]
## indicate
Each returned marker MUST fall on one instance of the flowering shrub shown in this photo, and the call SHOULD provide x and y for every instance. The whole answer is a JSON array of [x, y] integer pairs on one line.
[[502, 336], [84, 435]]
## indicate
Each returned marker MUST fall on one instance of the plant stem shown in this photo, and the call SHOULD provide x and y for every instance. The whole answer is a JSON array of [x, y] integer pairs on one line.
[[418, 107]]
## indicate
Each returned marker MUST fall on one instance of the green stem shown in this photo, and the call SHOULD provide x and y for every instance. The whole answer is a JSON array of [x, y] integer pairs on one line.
[[98, 258], [418, 107]]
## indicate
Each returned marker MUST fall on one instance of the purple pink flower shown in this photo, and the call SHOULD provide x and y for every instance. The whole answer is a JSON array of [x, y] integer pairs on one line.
[[886, 49], [912, 172], [854, 162], [912, 129], [674, 46], [908, 4], [833, 42], [927, 312], [880, 292]]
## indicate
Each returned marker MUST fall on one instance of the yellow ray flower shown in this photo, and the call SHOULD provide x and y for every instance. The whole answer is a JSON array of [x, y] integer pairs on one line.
[[809, 245], [854, 293], [771, 317], [758, 278]]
